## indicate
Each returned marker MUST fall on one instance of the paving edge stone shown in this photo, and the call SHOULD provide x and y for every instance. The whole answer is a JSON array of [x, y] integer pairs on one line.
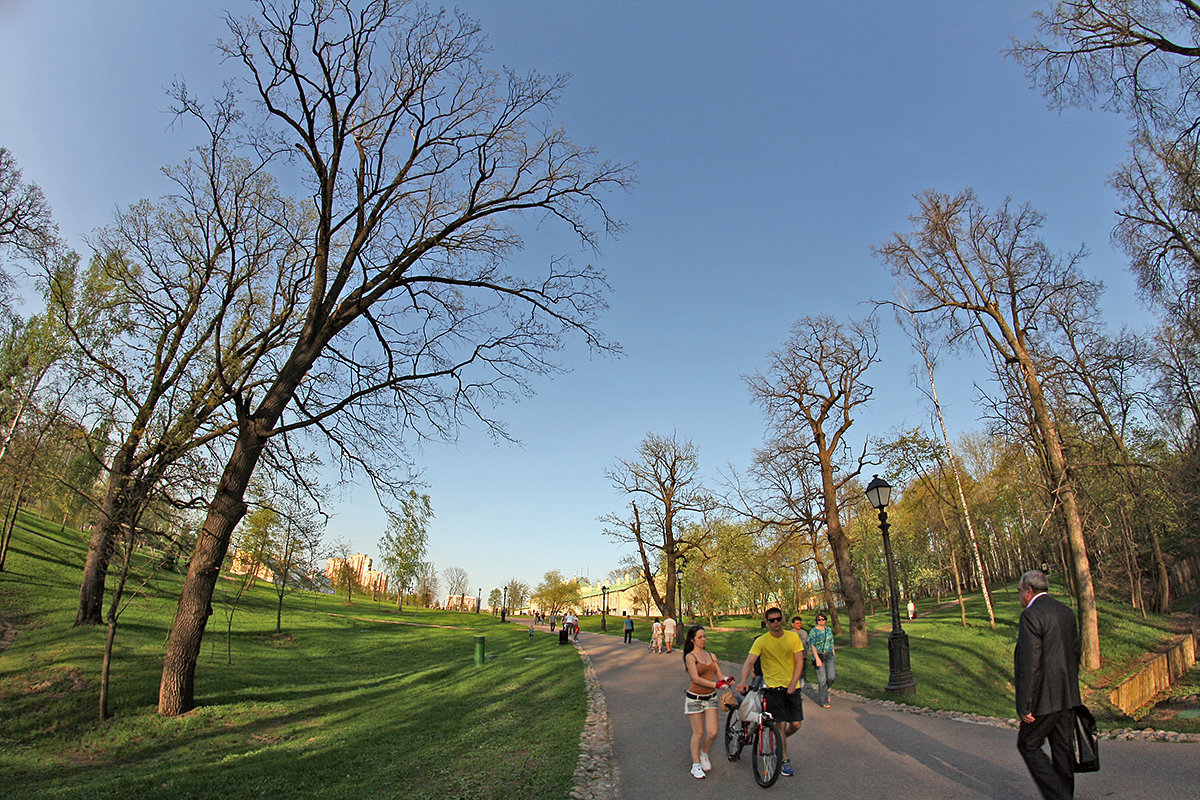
[[596, 771]]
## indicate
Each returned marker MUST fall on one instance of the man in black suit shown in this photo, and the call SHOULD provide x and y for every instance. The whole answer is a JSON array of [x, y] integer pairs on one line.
[[1046, 675]]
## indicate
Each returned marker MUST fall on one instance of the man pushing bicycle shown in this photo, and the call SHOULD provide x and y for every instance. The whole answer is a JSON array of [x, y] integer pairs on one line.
[[780, 653]]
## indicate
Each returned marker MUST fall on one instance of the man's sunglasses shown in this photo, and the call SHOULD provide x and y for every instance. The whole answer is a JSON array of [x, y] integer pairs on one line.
[[774, 619]]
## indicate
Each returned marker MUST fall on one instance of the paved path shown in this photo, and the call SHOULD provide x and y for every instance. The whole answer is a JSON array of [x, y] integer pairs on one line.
[[854, 750]]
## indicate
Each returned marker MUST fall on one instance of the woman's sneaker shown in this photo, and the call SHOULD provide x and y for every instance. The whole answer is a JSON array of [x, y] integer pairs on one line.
[[786, 769], [705, 764], [697, 771]]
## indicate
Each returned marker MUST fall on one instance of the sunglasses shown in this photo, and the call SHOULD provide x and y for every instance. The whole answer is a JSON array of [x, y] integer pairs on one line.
[[774, 619]]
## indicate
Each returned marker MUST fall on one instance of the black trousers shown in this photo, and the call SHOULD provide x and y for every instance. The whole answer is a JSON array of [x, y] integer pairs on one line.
[[1054, 775], [628, 636]]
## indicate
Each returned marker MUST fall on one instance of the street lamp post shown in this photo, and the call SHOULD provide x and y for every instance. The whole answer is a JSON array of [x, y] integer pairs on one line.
[[900, 677], [504, 605], [679, 634], [604, 611], [478, 598]]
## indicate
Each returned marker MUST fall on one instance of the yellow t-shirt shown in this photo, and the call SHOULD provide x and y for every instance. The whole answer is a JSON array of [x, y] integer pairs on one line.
[[777, 656]]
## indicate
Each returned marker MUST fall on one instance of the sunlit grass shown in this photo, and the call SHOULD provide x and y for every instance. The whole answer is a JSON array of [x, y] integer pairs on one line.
[[350, 700]]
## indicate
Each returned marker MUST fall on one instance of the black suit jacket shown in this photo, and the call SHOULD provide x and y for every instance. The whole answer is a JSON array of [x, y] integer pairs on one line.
[[1046, 660]]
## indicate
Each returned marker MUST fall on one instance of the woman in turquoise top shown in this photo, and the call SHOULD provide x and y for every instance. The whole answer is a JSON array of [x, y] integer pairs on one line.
[[820, 641]]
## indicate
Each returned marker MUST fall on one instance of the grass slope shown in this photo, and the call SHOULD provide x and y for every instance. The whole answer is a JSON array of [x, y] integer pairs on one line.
[[351, 700]]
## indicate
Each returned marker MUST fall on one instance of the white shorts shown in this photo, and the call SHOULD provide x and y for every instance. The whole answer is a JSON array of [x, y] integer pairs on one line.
[[699, 703]]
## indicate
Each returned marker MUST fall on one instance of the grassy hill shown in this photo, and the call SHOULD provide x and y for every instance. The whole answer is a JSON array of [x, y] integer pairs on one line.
[[361, 701], [350, 700]]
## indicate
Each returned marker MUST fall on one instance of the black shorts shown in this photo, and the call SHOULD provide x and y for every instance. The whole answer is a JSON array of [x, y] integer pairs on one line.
[[785, 707]]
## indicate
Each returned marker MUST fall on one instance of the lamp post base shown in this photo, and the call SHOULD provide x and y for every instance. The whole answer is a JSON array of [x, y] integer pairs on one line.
[[900, 677]]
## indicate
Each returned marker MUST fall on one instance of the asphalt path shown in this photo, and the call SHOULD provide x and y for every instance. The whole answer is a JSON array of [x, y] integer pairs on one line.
[[856, 749]]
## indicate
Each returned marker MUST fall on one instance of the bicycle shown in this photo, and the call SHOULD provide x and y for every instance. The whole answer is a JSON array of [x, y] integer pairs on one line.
[[761, 732]]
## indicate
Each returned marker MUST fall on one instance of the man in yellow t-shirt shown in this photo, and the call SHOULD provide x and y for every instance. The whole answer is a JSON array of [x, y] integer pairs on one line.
[[781, 656]]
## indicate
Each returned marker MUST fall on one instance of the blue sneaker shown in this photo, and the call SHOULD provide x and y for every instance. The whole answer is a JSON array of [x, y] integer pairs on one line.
[[786, 769]]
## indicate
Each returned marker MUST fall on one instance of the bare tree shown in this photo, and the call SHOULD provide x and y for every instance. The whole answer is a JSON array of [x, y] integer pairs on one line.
[[419, 160], [427, 584], [456, 584], [664, 478], [949, 464], [987, 274], [27, 228], [1137, 57], [812, 389], [175, 315]]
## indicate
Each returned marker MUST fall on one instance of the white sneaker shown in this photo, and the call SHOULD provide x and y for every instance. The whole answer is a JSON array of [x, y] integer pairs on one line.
[[705, 764], [697, 771]]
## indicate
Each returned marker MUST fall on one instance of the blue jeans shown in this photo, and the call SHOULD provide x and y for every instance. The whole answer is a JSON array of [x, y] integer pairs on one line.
[[826, 675]]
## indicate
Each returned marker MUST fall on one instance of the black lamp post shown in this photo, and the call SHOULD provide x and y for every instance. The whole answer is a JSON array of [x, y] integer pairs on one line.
[[478, 598], [604, 611], [900, 677], [679, 634], [504, 605]]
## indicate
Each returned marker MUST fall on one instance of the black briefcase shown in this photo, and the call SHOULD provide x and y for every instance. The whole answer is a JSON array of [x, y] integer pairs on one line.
[[1087, 746]]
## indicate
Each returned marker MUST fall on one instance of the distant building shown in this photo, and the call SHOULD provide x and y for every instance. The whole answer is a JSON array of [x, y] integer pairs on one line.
[[467, 602], [360, 564], [244, 563]]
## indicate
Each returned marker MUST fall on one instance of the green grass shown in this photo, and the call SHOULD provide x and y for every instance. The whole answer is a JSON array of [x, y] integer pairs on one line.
[[361, 701], [351, 700]]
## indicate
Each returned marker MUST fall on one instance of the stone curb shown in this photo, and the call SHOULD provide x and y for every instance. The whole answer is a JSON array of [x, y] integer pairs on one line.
[[596, 771]]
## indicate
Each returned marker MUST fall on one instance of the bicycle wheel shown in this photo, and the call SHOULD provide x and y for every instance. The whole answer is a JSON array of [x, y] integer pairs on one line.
[[767, 761], [733, 735]]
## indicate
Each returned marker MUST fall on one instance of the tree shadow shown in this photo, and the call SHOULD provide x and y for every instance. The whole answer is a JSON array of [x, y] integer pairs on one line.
[[964, 768]]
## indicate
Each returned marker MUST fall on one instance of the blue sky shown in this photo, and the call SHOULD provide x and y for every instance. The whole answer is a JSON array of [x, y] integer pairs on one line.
[[776, 142]]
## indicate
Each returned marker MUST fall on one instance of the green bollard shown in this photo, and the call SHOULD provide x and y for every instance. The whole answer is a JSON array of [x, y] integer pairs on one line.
[[479, 650]]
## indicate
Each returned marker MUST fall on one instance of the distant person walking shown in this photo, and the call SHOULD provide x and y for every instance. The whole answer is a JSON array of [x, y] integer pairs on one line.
[[669, 632], [912, 608], [656, 634], [798, 629], [820, 642], [700, 700], [1046, 677], [628, 627]]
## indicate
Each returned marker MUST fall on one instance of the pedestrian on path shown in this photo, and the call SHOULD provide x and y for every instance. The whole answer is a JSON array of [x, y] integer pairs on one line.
[[1046, 677], [628, 627], [669, 632], [700, 699], [820, 642], [798, 629], [656, 636], [781, 656]]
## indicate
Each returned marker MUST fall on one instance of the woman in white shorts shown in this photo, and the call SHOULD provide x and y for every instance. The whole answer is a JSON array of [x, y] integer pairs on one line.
[[700, 700]]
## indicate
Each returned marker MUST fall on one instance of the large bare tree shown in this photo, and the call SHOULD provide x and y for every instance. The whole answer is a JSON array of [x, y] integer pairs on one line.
[[986, 274], [177, 312], [814, 385], [664, 477], [418, 160]]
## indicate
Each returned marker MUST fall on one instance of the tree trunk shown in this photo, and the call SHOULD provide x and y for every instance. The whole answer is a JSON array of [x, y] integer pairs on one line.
[[1089, 615], [104, 538], [176, 693], [851, 592]]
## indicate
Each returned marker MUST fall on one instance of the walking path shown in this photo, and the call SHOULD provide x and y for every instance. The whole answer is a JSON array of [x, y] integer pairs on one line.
[[857, 749]]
